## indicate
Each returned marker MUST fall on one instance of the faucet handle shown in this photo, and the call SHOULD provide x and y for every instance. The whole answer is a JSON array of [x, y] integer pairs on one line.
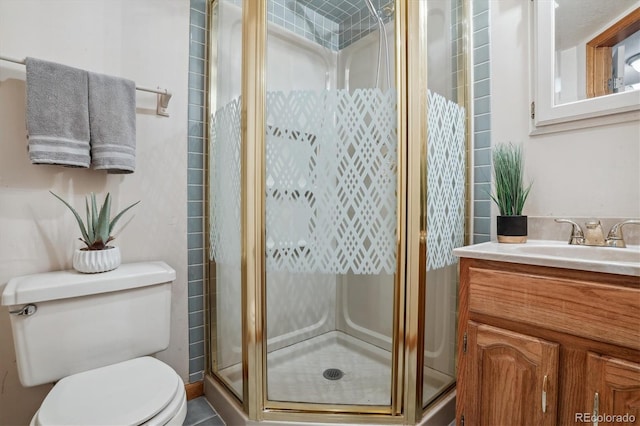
[[577, 236], [615, 237]]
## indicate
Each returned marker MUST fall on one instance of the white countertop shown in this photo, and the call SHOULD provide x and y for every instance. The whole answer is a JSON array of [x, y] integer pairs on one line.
[[559, 254]]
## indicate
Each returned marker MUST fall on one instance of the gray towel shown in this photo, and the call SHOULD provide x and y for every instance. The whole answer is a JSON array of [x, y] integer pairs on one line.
[[57, 114], [112, 119]]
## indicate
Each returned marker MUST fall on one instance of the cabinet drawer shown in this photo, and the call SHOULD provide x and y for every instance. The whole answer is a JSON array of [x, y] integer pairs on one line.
[[597, 311]]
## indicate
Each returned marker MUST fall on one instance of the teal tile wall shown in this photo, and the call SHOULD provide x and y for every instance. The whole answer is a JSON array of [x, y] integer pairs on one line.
[[195, 186], [456, 39], [481, 121]]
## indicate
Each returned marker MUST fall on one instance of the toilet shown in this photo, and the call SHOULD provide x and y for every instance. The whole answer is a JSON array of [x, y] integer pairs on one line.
[[92, 335]]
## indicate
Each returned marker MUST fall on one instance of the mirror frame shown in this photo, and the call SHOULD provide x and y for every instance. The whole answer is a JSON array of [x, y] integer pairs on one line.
[[546, 116]]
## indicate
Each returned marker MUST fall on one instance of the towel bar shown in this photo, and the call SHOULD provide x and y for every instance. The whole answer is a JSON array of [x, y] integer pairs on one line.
[[164, 96]]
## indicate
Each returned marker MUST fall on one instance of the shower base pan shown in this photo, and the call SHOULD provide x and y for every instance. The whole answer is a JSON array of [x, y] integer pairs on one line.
[[297, 373]]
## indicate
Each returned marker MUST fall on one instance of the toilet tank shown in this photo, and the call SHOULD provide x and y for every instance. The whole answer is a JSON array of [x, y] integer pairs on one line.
[[85, 321]]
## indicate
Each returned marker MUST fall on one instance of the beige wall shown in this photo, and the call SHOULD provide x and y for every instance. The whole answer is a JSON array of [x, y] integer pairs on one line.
[[146, 41], [592, 172]]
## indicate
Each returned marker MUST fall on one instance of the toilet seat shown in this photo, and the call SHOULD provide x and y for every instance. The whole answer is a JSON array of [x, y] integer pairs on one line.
[[134, 392]]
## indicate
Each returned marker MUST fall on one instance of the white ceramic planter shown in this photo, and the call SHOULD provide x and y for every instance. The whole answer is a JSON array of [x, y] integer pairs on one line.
[[93, 261]]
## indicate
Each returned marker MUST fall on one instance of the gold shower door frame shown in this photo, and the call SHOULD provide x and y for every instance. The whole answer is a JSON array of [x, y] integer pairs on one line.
[[409, 287]]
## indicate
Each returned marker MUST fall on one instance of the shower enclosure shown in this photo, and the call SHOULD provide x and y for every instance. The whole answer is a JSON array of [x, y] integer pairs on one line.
[[336, 191]]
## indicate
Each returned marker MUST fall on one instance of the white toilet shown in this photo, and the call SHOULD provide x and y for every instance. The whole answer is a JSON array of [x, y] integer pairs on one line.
[[90, 333]]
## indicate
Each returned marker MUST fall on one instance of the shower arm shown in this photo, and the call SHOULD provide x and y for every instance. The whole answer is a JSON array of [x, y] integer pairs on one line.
[[382, 42]]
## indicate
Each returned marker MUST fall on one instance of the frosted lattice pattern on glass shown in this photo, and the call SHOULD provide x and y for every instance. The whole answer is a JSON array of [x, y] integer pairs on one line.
[[445, 180], [331, 181], [225, 185]]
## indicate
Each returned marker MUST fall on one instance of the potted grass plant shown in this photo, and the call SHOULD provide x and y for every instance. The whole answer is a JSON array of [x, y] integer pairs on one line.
[[510, 193], [98, 255]]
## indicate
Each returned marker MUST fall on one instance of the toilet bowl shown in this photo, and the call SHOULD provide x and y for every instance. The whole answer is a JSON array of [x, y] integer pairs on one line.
[[92, 334], [141, 391]]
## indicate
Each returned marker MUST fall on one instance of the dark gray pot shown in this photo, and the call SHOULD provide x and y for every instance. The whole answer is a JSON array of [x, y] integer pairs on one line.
[[512, 229]]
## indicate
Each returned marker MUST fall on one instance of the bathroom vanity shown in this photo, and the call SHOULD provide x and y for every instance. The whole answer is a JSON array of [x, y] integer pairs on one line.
[[547, 345]]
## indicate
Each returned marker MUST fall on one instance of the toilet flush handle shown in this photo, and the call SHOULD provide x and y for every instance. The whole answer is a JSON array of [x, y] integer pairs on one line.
[[26, 310]]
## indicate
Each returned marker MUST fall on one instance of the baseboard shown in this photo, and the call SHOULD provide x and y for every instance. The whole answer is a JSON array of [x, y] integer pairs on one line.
[[194, 390]]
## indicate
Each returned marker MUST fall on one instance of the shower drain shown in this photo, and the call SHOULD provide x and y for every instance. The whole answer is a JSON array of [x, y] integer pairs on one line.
[[332, 374]]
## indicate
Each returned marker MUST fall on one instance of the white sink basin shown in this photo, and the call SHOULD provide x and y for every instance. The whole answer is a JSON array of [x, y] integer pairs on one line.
[[625, 261], [607, 254]]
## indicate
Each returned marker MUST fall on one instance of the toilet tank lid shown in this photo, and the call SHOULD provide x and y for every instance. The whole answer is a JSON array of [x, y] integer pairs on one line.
[[66, 284]]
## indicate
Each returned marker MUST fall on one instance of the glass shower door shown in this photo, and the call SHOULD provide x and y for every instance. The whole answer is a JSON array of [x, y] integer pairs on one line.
[[330, 196], [225, 193], [445, 188]]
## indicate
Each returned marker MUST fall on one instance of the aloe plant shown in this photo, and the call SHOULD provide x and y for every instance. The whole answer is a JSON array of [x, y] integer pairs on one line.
[[510, 191], [97, 232]]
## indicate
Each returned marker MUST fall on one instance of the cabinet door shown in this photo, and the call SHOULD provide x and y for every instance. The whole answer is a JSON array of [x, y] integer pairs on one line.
[[512, 379], [617, 385]]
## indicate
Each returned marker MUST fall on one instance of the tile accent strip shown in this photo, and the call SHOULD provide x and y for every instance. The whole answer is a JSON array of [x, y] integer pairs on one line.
[[195, 186], [481, 122]]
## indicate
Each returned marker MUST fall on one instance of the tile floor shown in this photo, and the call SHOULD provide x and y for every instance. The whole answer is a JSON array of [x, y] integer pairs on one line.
[[200, 413]]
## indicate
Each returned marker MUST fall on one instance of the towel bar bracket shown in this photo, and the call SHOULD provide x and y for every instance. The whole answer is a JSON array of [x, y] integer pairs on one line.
[[163, 104]]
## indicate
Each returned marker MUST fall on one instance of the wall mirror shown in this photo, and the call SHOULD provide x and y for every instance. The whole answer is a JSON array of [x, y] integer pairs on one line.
[[584, 63]]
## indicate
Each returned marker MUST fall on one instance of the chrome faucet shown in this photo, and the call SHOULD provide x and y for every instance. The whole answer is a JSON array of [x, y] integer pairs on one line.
[[577, 236], [615, 237], [594, 236]]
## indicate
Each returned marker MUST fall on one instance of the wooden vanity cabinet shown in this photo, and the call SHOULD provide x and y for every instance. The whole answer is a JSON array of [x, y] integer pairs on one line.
[[536, 345]]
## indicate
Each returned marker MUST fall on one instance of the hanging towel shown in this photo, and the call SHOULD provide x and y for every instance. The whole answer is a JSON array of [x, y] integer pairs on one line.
[[57, 114], [112, 120]]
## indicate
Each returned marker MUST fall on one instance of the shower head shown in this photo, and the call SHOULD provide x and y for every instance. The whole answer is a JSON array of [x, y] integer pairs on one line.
[[388, 10]]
